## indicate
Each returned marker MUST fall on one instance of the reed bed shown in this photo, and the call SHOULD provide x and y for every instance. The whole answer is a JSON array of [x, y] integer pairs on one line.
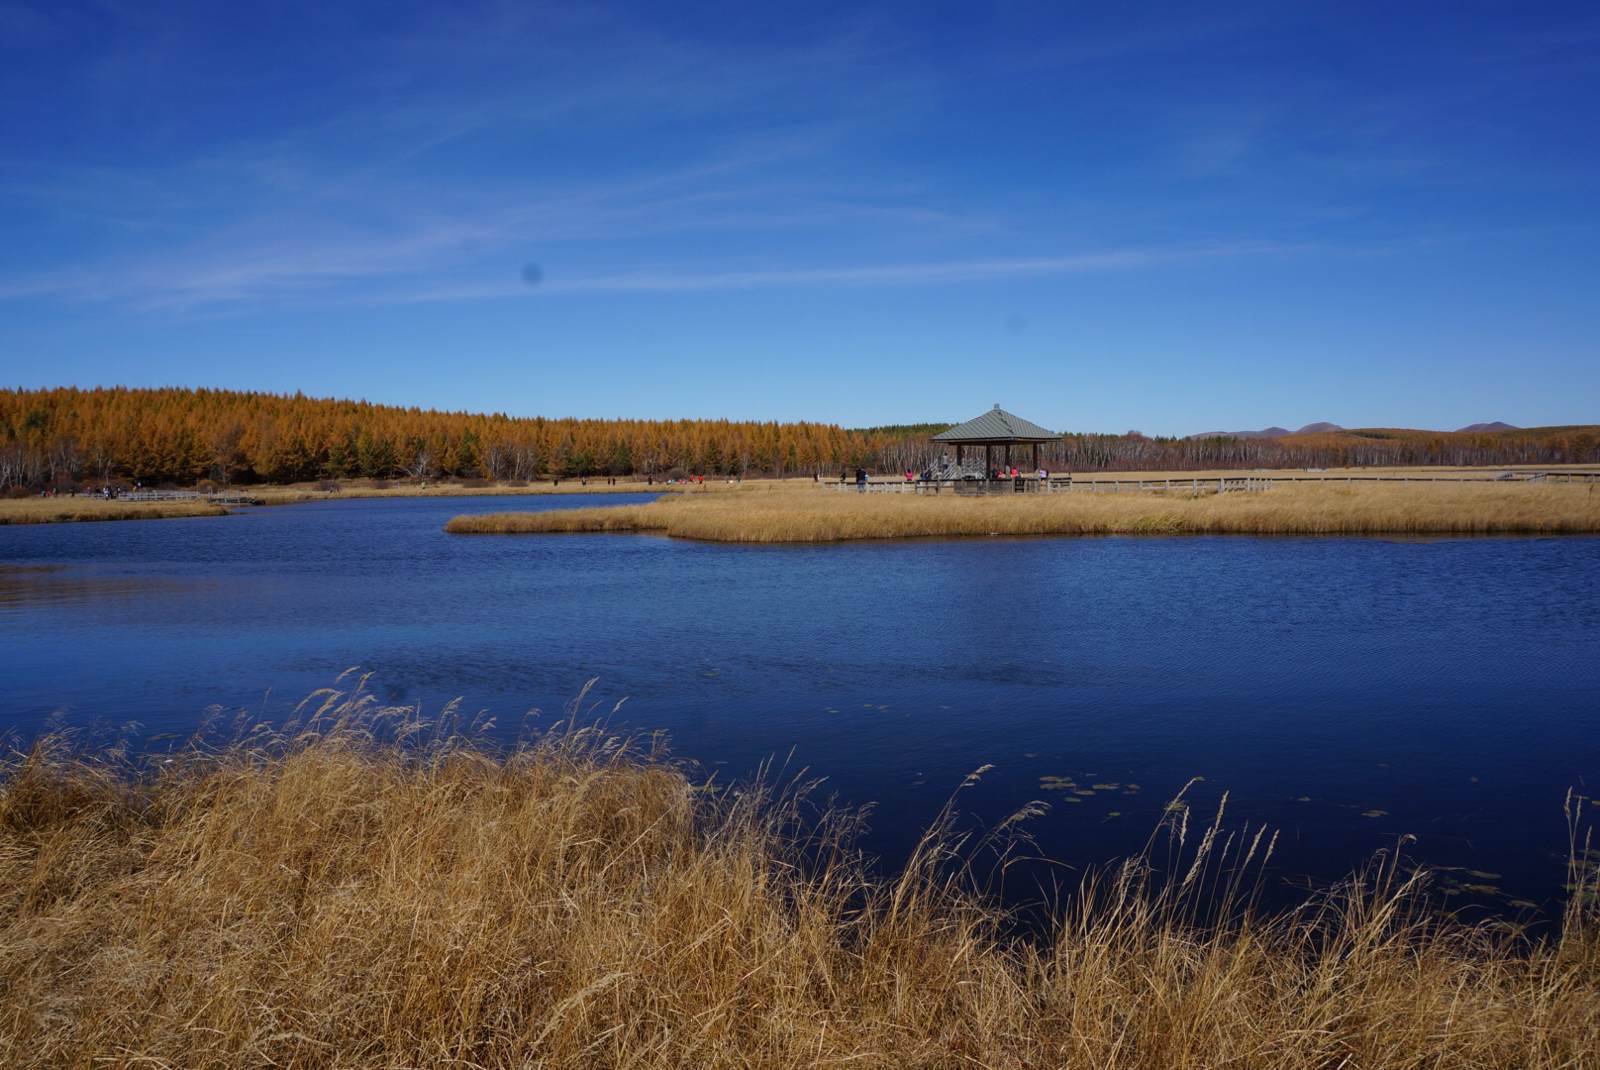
[[817, 515], [62, 510], [362, 890], [293, 493]]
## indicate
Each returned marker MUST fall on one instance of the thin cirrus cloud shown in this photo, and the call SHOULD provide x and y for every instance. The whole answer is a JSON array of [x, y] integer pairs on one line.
[[841, 158], [358, 276], [664, 280]]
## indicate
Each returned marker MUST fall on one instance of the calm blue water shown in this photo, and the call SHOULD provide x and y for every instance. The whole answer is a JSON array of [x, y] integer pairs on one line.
[[1450, 689]]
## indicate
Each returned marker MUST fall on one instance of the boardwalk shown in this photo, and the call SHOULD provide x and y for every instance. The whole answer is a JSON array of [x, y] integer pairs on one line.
[[224, 498]]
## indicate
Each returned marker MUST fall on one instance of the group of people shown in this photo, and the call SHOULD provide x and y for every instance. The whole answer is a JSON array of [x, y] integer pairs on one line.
[[911, 476], [106, 492]]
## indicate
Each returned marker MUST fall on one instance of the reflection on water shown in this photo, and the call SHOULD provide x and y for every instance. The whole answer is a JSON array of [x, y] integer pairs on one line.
[[25, 585], [1346, 691]]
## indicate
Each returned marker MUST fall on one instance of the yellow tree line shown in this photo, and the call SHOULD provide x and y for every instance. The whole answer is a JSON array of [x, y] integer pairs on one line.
[[66, 435]]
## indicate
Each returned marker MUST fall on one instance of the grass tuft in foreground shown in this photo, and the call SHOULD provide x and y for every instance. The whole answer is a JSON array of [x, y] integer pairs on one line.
[[816, 515], [362, 890]]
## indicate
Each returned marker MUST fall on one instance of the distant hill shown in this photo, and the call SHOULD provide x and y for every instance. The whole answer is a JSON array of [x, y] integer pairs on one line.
[[1273, 432], [1419, 445], [1266, 432], [1325, 428], [1312, 447]]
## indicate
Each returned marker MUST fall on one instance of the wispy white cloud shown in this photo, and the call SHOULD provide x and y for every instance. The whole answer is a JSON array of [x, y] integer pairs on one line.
[[624, 160], [408, 180], [349, 246], [943, 272], [43, 286]]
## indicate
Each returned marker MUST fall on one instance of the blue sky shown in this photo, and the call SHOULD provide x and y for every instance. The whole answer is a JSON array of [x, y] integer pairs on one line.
[[1173, 219]]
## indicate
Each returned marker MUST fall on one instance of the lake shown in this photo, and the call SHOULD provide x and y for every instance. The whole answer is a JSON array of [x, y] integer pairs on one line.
[[1346, 691]]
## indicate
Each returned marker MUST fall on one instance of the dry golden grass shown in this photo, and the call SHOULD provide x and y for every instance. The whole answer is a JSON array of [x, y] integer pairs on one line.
[[806, 514], [53, 510], [1421, 472], [60, 510], [327, 899], [287, 493], [35, 510]]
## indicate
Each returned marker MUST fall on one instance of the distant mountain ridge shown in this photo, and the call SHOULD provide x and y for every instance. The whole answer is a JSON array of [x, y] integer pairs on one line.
[[1266, 432], [1325, 428], [1273, 432]]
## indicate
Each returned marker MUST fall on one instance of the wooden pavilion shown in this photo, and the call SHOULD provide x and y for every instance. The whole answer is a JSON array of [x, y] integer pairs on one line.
[[996, 427]]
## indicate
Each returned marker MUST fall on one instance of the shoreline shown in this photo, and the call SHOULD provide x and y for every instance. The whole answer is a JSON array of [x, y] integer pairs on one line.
[[1336, 509], [21, 511], [88, 508], [36, 510], [295, 493]]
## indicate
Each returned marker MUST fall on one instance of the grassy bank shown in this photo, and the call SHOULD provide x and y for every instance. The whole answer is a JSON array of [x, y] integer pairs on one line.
[[55, 510], [326, 899], [36, 510], [281, 494], [64, 510], [808, 514]]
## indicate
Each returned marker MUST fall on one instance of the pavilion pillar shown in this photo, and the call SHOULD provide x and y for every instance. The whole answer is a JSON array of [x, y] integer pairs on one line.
[[958, 453], [1008, 458], [988, 461], [1035, 456]]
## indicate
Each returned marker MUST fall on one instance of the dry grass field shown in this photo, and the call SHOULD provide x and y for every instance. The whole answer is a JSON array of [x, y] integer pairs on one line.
[[282, 494], [1429, 472], [810, 514], [36, 510], [60, 510], [349, 894]]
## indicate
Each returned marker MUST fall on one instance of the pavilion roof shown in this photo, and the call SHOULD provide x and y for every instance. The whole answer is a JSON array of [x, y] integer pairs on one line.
[[996, 426]]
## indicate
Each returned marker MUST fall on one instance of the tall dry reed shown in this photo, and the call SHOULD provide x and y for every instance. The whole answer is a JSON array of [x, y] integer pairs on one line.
[[363, 890], [824, 515]]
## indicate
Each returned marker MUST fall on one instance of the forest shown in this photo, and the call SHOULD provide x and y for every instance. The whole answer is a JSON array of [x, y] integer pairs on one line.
[[67, 437]]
